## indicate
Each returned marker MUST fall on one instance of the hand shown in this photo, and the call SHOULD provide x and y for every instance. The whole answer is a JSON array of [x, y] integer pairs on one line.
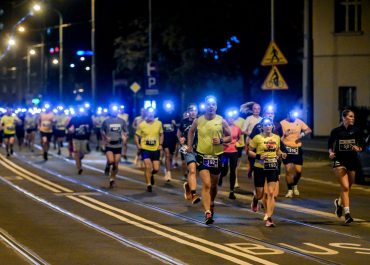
[[215, 140], [284, 155], [263, 157], [160, 147], [331, 155], [356, 148]]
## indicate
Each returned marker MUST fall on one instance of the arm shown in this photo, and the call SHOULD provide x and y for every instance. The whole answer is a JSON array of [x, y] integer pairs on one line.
[[191, 135], [161, 138]]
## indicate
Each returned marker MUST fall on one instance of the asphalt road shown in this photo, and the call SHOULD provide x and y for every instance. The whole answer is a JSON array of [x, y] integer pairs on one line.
[[51, 215]]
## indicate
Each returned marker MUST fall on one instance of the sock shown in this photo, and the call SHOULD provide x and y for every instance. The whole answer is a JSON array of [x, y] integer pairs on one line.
[[297, 177], [193, 192], [340, 201], [154, 171], [346, 210], [290, 186]]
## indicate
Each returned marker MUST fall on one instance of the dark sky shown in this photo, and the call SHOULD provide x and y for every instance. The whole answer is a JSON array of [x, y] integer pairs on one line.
[[218, 20]]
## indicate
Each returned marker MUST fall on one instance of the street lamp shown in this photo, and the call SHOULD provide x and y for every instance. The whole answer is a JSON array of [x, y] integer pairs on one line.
[[60, 61]]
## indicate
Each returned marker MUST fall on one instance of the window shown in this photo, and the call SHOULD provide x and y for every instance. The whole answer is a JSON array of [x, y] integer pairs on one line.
[[347, 16], [347, 96]]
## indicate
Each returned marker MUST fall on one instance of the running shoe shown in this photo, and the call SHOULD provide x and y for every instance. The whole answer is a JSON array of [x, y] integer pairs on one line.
[[232, 195], [45, 156], [289, 194], [187, 191], [80, 171], [149, 188], [59, 152], [195, 199], [152, 180], [265, 217], [111, 183], [295, 190], [269, 222], [347, 218], [7, 155], [254, 205], [338, 208], [125, 157], [208, 218]]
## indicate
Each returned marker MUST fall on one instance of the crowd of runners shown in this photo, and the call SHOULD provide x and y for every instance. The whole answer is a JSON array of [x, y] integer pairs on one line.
[[210, 145]]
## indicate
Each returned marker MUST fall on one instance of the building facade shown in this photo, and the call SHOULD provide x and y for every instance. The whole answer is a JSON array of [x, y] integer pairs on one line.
[[341, 59]]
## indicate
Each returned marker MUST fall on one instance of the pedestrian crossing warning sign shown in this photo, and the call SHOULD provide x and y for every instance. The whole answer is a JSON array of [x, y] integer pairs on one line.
[[273, 55], [274, 80]]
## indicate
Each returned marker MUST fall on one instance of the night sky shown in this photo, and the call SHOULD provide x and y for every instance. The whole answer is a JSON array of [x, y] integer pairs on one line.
[[207, 23]]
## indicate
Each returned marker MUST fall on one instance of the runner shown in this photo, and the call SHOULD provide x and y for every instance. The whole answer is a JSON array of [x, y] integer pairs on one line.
[[344, 143], [265, 148], [8, 122], [293, 130], [168, 119], [124, 116], [269, 112], [30, 124], [113, 131], [231, 153], [249, 124], [98, 120], [46, 121], [212, 132], [240, 146], [135, 124], [20, 130], [80, 126], [188, 159], [61, 120], [149, 139]]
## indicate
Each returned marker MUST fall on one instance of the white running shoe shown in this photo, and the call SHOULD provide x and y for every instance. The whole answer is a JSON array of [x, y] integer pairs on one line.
[[289, 194], [295, 190]]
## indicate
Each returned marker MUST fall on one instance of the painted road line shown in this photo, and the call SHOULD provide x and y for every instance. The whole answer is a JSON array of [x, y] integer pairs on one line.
[[25, 252], [30, 178], [103, 230], [248, 197], [148, 225], [15, 166]]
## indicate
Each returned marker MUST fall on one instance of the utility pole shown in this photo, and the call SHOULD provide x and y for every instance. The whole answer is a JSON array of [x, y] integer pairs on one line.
[[93, 68]]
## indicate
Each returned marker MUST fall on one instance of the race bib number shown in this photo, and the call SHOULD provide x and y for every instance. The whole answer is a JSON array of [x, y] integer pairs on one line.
[[292, 151], [150, 142], [270, 164], [346, 145], [210, 161], [46, 124], [10, 128], [60, 126], [168, 127]]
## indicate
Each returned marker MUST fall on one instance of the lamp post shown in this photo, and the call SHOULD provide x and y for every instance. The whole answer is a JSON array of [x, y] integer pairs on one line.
[[93, 68], [60, 53]]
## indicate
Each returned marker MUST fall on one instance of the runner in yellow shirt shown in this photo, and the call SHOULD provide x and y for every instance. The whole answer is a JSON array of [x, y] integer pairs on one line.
[[149, 139], [265, 148], [212, 131], [8, 122]]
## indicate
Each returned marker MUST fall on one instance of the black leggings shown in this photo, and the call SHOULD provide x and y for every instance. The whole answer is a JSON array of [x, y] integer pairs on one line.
[[231, 158]]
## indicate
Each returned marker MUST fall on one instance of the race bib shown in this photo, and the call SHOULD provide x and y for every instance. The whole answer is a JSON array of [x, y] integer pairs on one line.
[[210, 161], [168, 127], [46, 124], [292, 151], [270, 164], [346, 145], [150, 142], [10, 128]]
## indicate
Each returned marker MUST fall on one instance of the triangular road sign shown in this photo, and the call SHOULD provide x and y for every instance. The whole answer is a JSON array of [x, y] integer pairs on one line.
[[274, 80], [273, 55]]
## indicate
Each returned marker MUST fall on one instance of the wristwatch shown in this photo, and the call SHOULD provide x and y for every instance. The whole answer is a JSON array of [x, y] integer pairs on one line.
[[221, 140]]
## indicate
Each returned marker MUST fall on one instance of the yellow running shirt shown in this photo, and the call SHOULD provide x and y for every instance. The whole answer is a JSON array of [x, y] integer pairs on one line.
[[240, 123], [8, 123], [207, 130], [149, 134], [265, 145]]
